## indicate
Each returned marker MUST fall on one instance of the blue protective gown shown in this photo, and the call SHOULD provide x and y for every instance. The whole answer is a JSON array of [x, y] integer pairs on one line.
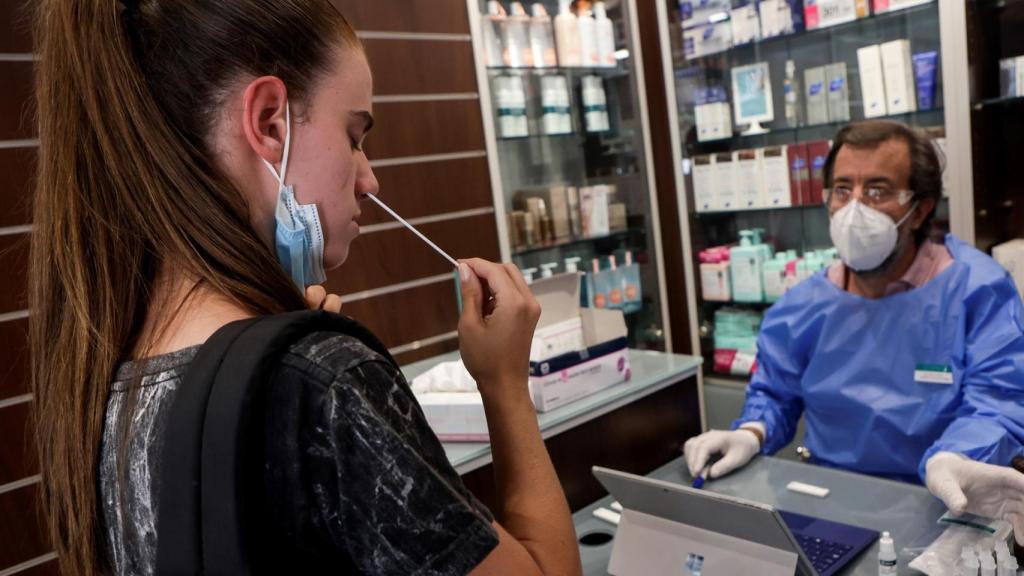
[[848, 364]]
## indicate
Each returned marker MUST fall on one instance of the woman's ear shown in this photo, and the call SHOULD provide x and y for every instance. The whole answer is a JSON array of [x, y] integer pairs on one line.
[[265, 118]]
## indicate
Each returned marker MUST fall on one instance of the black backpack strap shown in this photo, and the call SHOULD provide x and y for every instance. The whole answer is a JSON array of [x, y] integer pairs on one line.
[[209, 500]]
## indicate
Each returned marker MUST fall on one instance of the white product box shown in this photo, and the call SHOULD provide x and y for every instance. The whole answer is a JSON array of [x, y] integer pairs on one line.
[[838, 92], [594, 210], [898, 71], [816, 95], [1020, 76], [556, 339], [746, 174], [872, 82], [1008, 77], [602, 363], [707, 39], [714, 121], [746, 26], [775, 175], [696, 12], [825, 13], [455, 416], [725, 183], [1011, 256], [704, 183]]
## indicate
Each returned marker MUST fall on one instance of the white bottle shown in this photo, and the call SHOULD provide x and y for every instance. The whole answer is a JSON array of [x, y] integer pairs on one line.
[[511, 100], [791, 94], [548, 270], [528, 275], [595, 105], [988, 565], [554, 96], [588, 39], [886, 555], [542, 38], [605, 37], [572, 265], [567, 36], [517, 38], [493, 22]]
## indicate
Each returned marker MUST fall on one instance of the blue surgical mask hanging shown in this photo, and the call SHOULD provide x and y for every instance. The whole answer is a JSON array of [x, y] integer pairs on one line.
[[298, 236]]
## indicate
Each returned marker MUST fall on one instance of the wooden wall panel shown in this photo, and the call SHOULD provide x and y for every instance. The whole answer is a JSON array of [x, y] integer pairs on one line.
[[428, 67], [21, 536], [395, 256], [409, 315], [17, 166], [15, 27], [13, 359], [420, 16], [416, 190], [13, 265], [17, 457], [419, 128], [15, 97]]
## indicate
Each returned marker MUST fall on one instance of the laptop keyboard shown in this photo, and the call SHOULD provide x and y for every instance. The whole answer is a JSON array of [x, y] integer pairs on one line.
[[822, 553]]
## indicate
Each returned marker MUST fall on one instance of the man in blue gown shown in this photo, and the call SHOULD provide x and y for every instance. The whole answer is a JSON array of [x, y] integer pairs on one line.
[[907, 358]]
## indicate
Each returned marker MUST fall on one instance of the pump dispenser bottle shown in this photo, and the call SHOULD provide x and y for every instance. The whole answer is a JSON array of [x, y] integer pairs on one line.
[[517, 38], [493, 22], [567, 36], [588, 38], [605, 37], [542, 38]]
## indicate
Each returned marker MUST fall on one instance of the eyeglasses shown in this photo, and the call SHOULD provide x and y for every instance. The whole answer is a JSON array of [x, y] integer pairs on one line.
[[874, 196]]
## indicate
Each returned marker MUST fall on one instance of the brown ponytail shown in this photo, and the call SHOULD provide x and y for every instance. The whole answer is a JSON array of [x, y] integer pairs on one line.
[[127, 93]]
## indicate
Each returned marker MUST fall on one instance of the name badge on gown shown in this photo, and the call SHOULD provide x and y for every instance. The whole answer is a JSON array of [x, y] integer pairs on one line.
[[933, 374]]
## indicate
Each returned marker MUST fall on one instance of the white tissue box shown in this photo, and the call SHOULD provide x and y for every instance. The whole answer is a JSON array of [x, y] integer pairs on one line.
[[455, 416]]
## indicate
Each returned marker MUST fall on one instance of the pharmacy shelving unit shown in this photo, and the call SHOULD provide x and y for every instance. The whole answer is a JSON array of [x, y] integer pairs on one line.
[[617, 157], [996, 53], [802, 226]]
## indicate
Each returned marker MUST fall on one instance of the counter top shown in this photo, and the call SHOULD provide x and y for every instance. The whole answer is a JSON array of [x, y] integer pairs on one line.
[[652, 371], [908, 511]]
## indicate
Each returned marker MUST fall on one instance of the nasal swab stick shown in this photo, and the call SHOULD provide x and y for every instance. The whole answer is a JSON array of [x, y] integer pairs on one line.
[[414, 230]]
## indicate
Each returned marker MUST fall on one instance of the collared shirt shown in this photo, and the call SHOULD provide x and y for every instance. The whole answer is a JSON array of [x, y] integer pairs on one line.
[[930, 261]]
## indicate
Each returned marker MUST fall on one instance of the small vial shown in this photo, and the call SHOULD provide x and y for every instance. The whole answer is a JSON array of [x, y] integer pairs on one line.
[[988, 566], [887, 556]]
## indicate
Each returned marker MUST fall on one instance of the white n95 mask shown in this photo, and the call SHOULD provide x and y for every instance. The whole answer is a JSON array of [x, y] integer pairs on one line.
[[298, 236], [864, 236]]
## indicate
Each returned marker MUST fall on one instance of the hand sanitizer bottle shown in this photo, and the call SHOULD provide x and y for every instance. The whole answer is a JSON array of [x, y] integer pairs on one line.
[[588, 38], [542, 38]]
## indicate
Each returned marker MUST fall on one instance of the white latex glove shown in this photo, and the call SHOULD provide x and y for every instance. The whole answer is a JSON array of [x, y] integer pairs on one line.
[[965, 485], [737, 448]]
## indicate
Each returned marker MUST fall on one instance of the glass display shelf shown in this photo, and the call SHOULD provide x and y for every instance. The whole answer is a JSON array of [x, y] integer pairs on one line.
[[568, 71], [596, 165], [1005, 101], [576, 242], [788, 134], [818, 34], [774, 91]]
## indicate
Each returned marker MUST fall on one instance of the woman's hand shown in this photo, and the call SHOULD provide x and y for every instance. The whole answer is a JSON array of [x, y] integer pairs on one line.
[[317, 298], [499, 315]]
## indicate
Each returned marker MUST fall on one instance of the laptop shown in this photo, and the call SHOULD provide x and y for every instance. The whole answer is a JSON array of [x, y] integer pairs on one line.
[[719, 530]]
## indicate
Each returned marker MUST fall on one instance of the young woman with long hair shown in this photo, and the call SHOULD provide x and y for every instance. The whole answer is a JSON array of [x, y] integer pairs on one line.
[[157, 222]]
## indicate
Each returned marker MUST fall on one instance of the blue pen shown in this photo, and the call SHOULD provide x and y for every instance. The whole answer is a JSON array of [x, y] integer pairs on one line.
[[698, 482], [701, 478]]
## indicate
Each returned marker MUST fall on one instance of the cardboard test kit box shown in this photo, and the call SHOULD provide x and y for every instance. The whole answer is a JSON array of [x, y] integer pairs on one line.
[[575, 352]]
